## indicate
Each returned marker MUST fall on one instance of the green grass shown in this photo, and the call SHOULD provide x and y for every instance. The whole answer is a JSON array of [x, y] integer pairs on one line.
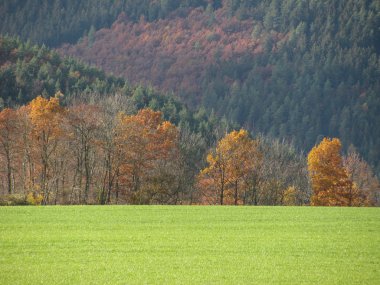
[[189, 245]]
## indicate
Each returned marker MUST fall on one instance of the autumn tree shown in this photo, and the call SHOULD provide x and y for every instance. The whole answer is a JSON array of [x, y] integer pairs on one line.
[[192, 147], [364, 180], [244, 159], [26, 166], [229, 165], [109, 153], [8, 144], [282, 178], [330, 182], [46, 118], [84, 125], [144, 140]]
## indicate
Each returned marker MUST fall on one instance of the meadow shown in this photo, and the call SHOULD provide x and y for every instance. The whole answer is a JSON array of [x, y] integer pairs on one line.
[[189, 245]]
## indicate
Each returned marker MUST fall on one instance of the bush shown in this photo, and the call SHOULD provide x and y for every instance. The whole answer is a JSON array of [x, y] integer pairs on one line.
[[13, 200], [34, 199], [20, 199]]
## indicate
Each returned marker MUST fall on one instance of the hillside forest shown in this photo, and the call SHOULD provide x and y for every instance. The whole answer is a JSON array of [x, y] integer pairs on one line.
[[295, 70], [235, 102]]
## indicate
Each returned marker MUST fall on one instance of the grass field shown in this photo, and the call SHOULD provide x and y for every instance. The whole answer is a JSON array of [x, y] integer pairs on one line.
[[189, 245]]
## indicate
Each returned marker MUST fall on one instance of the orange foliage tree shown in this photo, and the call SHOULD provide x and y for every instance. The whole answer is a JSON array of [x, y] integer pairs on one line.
[[330, 182], [143, 140], [46, 118], [230, 165]]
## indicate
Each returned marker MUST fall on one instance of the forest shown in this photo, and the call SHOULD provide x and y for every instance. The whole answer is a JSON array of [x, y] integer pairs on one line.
[[104, 152], [28, 71], [59, 21], [298, 70], [294, 70], [183, 82]]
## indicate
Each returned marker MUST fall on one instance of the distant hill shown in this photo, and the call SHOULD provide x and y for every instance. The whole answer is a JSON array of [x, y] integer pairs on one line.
[[27, 71], [172, 54], [55, 22], [292, 69], [298, 70]]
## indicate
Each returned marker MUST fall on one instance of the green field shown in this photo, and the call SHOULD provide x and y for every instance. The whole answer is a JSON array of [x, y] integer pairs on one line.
[[189, 245]]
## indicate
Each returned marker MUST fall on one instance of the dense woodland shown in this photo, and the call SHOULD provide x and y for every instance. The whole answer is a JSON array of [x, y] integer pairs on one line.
[[290, 72], [55, 22], [27, 71], [298, 70]]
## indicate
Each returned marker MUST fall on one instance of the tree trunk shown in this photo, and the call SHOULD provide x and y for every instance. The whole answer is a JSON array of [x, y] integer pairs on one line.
[[221, 189], [87, 173], [236, 192], [9, 172]]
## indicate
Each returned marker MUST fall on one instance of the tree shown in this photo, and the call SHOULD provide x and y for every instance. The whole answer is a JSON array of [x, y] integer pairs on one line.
[[8, 141], [229, 165], [143, 140], [84, 125], [26, 143], [244, 160], [283, 172], [361, 173], [46, 117], [330, 182]]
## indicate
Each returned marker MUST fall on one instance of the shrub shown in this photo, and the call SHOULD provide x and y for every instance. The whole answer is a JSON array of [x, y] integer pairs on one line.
[[13, 200], [34, 199]]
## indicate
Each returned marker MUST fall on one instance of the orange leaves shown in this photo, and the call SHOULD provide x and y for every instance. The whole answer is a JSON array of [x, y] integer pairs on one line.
[[231, 163], [172, 53], [41, 107], [239, 153], [8, 118], [144, 140], [330, 182], [52, 151], [147, 134], [45, 115]]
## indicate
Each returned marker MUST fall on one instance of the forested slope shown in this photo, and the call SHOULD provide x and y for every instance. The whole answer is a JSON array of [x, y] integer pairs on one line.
[[55, 22], [292, 69], [28, 71], [105, 141]]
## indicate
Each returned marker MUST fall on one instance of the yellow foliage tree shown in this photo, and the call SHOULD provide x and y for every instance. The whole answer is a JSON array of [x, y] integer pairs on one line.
[[330, 182], [230, 163], [46, 118]]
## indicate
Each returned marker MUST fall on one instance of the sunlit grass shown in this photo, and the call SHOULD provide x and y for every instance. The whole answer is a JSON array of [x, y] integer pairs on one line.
[[189, 245]]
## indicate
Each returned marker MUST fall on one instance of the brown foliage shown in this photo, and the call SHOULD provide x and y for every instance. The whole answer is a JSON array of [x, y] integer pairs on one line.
[[144, 140]]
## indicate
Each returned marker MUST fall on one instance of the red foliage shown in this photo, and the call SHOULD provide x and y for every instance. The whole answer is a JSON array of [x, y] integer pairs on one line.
[[172, 54]]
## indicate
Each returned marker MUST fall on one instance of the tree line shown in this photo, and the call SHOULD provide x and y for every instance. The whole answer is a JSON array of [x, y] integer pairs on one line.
[[89, 153], [102, 150]]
